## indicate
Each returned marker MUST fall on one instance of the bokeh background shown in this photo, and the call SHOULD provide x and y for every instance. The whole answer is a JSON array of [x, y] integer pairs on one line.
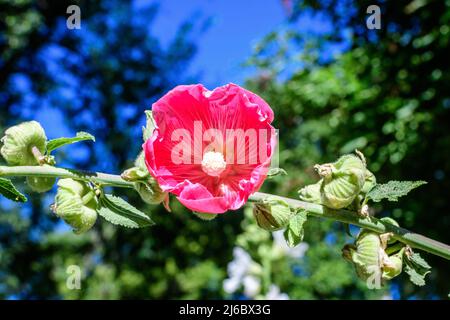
[[334, 86]]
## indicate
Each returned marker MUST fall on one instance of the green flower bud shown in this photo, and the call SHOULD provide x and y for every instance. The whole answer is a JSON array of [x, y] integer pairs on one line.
[[369, 257], [139, 172], [272, 214], [19, 141], [76, 204], [145, 184], [150, 191], [394, 265], [134, 174], [342, 181], [205, 216], [369, 182], [311, 193], [40, 184], [365, 254]]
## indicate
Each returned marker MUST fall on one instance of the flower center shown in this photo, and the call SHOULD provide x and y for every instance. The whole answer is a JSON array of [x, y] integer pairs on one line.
[[213, 163]]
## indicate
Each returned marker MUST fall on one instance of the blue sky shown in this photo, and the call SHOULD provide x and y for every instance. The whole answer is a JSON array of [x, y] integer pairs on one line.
[[235, 27]]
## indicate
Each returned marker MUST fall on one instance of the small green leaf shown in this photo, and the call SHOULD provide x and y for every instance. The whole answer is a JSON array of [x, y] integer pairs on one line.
[[417, 268], [419, 261], [119, 212], [392, 190], [8, 190], [147, 131], [274, 172], [60, 142], [415, 277], [294, 232]]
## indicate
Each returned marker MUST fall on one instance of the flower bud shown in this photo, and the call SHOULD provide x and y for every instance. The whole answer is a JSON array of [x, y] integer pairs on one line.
[[394, 265], [342, 181], [19, 141], [144, 183], [369, 182], [150, 191], [272, 214], [311, 193], [365, 254], [139, 172], [205, 216], [40, 185], [134, 174], [369, 257], [76, 204]]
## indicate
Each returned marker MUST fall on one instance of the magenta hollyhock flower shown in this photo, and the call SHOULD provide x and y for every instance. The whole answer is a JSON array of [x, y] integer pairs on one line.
[[212, 149]]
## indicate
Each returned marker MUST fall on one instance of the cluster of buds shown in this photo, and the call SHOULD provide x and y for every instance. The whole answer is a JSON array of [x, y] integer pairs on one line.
[[25, 145], [375, 257], [341, 183], [76, 202]]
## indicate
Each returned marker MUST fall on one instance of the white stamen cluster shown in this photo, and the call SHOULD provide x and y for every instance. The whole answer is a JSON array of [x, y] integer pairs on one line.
[[213, 163]]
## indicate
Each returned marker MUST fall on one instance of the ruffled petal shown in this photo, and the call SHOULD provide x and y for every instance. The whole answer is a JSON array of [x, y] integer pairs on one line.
[[197, 198]]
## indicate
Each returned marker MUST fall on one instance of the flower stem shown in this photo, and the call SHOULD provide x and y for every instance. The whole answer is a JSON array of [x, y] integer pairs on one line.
[[56, 172], [407, 237], [267, 271], [410, 238], [88, 197]]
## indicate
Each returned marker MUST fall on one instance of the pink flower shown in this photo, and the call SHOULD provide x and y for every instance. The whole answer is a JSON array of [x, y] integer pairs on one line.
[[212, 149]]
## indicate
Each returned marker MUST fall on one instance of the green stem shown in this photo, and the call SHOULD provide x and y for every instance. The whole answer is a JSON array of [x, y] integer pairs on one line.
[[267, 273], [55, 172], [407, 237], [88, 197], [395, 248], [410, 238]]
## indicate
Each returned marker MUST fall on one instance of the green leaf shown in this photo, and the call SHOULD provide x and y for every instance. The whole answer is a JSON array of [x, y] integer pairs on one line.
[[392, 190], [294, 231], [274, 172], [417, 268], [60, 142], [147, 131], [415, 277], [8, 190], [119, 212], [419, 261]]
